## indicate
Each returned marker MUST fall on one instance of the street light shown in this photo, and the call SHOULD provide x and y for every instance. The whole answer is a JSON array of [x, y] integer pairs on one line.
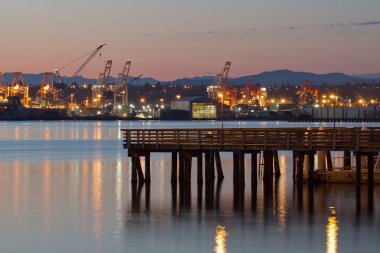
[[221, 106], [335, 97]]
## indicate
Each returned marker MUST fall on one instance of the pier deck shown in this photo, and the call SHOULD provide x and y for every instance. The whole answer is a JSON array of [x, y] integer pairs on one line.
[[253, 139]]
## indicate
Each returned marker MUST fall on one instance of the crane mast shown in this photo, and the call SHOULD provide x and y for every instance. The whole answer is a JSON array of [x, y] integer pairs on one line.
[[122, 84], [88, 59], [98, 89], [19, 87], [47, 88], [219, 81], [4, 88]]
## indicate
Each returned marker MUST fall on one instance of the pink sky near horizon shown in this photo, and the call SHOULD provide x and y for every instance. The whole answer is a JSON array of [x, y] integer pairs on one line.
[[167, 39]]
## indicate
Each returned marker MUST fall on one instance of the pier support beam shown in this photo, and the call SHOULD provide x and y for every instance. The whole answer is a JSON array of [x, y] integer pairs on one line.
[[321, 160], [371, 178], [238, 169], [310, 176], [358, 181], [200, 168], [219, 168], [347, 160], [139, 169], [208, 166], [174, 167], [254, 168], [276, 164], [329, 161], [147, 167], [299, 164], [268, 165]]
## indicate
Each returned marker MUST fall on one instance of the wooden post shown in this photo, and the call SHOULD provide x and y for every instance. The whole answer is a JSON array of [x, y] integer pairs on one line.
[[174, 167], [133, 170], [329, 161], [358, 181], [212, 164], [294, 165], [241, 168], [276, 163], [181, 167], [200, 168], [235, 167], [370, 170], [254, 168], [310, 177], [268, 165], [347, 160], [219, 166], [147, 167], [139, 169], [188, 160], [300, 168], [207, 166]]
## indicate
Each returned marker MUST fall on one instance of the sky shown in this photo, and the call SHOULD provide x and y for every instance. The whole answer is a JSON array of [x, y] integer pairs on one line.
[[170, 39]]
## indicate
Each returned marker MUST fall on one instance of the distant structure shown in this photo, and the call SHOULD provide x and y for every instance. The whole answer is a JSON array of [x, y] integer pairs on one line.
[[20, 88]]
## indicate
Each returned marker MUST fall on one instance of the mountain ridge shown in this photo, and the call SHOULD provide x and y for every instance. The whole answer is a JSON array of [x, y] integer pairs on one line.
[[277, 77]]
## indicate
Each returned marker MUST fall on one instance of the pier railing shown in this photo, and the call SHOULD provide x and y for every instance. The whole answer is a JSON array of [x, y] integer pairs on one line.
[[300, 139]]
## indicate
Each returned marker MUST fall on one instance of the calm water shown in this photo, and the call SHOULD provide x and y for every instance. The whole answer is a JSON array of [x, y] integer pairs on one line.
[[65, 187]]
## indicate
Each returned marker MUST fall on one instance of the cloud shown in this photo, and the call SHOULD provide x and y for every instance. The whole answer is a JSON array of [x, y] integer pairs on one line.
[[253, 30], [369, 23]]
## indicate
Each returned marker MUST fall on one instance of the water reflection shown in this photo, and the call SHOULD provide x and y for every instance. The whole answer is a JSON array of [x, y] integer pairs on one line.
[[88, 198], [220, 239], [332, 232]]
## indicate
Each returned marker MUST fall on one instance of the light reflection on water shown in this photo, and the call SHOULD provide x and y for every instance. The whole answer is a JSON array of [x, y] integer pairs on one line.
[[332, 232], [70, 182], [220, 239]]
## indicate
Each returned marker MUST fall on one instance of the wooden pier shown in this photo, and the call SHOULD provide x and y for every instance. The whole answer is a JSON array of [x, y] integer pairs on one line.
[[206, 144]]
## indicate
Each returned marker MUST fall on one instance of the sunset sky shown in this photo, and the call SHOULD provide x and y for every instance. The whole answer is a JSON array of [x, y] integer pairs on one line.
[[168, 39]]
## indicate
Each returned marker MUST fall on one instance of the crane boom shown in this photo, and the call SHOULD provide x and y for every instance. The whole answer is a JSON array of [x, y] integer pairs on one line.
[[88, 59]]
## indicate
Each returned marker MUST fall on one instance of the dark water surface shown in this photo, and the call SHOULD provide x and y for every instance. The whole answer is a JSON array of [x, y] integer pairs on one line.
[[65, 187]]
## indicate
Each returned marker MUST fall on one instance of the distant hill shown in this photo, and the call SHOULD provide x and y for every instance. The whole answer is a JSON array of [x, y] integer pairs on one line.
[[369, 75], [36, 79], [281, 77], [294, 78], [266, 78]]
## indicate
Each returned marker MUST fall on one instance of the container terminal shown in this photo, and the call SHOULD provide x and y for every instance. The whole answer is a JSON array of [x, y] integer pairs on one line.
[[122, 99]]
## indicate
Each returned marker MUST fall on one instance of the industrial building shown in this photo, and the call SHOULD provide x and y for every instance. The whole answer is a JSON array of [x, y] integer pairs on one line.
[[198, 107]]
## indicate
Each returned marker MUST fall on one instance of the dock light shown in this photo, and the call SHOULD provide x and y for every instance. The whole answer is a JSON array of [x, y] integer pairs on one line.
[[161, 100], [282, 100], [178, 96], [142, 100]]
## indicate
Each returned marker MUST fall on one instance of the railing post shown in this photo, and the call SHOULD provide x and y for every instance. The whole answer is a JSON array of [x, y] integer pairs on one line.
[[244, 137], [128, 133], [177, 137], [334, 139], [199, 138], [143, 138], [287, 139], [157, 141], [265, 139]]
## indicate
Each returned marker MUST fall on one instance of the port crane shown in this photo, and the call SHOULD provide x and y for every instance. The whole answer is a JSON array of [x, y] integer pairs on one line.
[[19, 87], [90, 55], [99, 96], [4, 88], [307, 93], [121, 85], [218, 84], [47, 91]]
